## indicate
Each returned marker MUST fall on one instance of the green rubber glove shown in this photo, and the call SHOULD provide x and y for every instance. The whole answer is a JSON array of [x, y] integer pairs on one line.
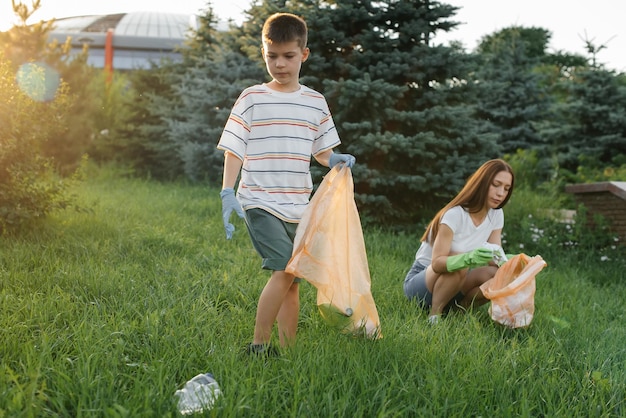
[[476, 258]]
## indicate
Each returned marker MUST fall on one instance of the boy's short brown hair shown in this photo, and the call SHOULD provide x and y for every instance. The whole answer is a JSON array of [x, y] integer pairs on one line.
[[285, 27]]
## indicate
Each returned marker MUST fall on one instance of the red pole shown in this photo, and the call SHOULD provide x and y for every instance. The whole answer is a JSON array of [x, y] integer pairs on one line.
[[108, 55]]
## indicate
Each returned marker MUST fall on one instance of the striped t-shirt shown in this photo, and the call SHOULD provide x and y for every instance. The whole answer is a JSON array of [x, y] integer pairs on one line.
[[275, 134]]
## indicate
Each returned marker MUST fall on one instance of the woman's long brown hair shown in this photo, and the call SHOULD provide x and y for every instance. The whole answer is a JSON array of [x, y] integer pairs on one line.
[[473, 196]]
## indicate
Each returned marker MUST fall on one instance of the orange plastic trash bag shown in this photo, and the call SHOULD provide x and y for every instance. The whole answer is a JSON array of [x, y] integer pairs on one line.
[[512, 291], [329, 252]]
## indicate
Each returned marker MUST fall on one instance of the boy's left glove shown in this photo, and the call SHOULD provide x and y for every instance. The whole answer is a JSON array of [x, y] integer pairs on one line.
[[229, 204], [335, 159]]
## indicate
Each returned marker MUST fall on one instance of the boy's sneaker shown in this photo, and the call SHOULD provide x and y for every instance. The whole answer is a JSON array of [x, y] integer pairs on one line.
[[261, 350]]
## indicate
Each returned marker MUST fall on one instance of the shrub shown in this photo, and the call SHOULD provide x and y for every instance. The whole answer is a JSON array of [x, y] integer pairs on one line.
[[592, 171], [542, 219], [29, 186], [538, 221]]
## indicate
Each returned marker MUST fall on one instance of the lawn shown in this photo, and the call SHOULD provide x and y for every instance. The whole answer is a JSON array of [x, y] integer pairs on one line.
[[107, 312]]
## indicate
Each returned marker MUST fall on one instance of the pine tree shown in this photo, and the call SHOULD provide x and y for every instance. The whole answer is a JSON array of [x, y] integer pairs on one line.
[[142, 139], [215, 73], [590, 126], [402, 104], [179, 110], [513, 96], [207, 91]]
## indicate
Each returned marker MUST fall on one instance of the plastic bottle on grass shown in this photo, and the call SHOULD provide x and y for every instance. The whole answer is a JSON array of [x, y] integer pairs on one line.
[[198, 394]]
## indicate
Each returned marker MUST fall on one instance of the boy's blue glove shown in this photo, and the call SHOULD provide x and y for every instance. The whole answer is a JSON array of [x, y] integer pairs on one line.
[[335, 159], [229, 204], [476, 258]]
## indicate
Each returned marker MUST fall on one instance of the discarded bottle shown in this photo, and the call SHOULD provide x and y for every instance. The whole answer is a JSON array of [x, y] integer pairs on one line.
[[198, 394]]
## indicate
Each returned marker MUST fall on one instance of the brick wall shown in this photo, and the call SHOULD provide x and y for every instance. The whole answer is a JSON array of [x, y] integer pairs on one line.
[[607, 199]]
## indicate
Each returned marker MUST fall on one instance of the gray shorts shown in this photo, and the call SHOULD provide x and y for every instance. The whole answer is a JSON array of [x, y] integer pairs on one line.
[[415, 288], [271, 237]]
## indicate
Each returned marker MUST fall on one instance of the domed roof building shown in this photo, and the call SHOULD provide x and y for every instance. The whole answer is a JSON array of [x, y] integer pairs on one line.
[[126, 41]]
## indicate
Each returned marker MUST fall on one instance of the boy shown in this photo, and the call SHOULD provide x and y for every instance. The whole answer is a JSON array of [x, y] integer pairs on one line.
[[272, 131]]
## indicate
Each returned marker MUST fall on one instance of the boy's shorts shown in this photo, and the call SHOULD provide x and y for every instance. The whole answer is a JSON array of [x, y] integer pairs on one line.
[[271, 237]]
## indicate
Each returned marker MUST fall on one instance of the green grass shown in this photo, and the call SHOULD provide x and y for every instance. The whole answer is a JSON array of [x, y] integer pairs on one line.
[[108, 312]]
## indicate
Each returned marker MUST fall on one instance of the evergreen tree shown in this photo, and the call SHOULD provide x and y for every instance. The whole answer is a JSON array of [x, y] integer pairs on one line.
[[513, 95], [590, 126], [401, 103], [149, 136], [141, 138], [214, 75], [25, 43], [179, 110]]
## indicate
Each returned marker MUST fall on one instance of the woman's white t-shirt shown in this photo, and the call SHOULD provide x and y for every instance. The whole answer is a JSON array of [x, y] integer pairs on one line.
[[467, 236]]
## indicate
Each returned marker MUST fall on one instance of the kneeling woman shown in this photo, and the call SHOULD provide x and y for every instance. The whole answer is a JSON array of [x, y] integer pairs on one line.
[[452, 261]]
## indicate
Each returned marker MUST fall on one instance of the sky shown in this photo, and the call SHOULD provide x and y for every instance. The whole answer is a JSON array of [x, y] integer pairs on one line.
[[571, 22]]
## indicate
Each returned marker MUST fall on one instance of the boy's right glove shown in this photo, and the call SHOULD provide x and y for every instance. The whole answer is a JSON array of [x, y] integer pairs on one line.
[[335, 159], [229, 204], [475, 258]]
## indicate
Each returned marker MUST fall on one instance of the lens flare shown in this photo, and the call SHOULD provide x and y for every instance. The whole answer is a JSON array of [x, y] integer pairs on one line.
[[38, 81]]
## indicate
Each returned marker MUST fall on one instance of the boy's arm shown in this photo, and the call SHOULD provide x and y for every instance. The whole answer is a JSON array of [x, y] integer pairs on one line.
[[330, 159], [232, 167], [324, 157]]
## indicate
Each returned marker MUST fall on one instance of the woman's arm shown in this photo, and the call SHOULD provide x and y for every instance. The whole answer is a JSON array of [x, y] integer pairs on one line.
[[441, 248], [495, 237]]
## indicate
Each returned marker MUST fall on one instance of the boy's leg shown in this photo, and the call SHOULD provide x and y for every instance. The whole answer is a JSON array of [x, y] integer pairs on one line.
[[288, 316], [279, 300], [270, 304]]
